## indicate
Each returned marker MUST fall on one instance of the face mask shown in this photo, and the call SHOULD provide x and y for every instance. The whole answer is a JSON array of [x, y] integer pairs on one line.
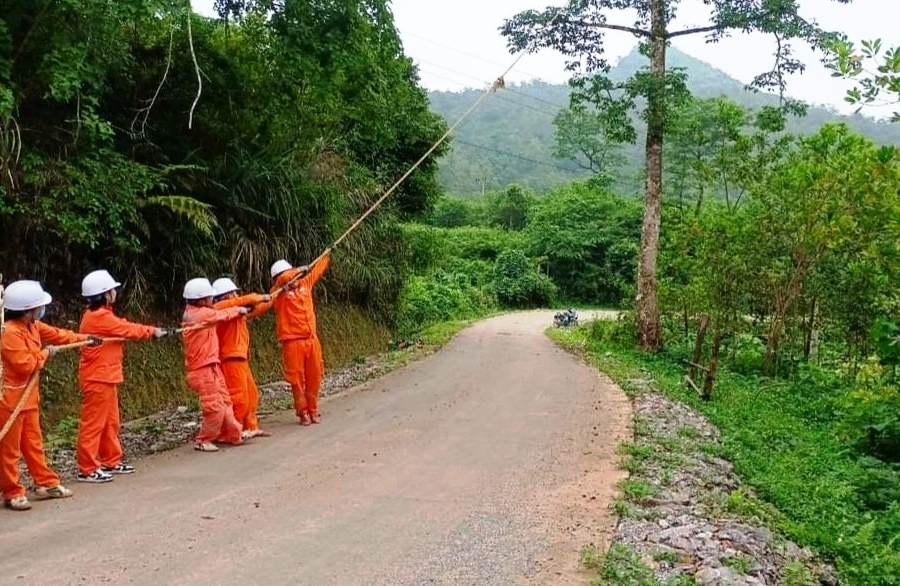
[[42, 313]]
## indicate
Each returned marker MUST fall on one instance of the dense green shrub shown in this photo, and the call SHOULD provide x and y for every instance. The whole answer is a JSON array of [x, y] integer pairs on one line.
[[519, 283], [424, 246], [441, 296], [589, 239], [453, 212], [509, 208], [473, 242]]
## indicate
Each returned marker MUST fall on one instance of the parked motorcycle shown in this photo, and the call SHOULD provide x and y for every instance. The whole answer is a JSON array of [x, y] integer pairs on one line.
[[565, 319]]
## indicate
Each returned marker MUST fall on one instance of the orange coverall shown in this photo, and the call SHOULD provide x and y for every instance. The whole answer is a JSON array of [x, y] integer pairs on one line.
[[295, 319], [234, 351], [23, 357], [99, 375], [204, 374]]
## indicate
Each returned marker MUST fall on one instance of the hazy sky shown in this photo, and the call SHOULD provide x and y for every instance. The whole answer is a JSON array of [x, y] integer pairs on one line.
[[456, 43]]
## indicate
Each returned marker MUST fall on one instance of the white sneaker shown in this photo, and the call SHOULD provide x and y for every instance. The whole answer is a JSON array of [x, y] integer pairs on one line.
[[20, 503], [120, 468], [97, 477], [52, 492]]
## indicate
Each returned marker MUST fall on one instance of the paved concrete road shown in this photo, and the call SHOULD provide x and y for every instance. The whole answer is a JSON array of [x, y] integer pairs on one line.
[[490, 462]]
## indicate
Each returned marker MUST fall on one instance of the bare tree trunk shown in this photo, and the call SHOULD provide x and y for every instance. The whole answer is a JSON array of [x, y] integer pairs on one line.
[[698, 345], [810, 332], [772, 346], [649, 331], [713, 365]]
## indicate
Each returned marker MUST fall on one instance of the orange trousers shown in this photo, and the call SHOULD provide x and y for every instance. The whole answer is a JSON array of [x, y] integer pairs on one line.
[[303, 369], [218, 422], [24, 440], [98, 431], [243, 391]]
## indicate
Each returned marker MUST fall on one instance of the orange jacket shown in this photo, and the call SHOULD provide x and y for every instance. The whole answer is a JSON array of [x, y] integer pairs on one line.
[[234, 335], [201, 347], [103, 364], [295, 313], [23, 355]]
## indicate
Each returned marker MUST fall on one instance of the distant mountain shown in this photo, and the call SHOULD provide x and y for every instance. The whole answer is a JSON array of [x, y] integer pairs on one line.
[[510, 138]]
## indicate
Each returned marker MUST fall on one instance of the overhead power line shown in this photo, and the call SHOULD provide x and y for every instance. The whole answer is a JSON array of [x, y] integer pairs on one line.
[[478, 79], [516, 156], [461, 51], [504, 98]]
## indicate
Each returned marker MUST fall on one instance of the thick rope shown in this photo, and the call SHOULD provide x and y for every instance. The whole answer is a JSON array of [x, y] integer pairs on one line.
[[190, 34], [498, 85], [29, 387], [195, 327]]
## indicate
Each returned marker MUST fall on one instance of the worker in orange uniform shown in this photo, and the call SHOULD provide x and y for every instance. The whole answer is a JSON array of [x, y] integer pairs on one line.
[[24, 304], [234, 351], [204, 371], [295, 319], [98, 450]]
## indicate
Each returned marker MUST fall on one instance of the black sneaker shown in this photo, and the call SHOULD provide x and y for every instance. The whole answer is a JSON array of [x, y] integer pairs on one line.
[[119, 469], [97, 477]]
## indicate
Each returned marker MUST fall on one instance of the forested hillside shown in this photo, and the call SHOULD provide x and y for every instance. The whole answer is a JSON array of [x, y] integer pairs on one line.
[[511, 138]]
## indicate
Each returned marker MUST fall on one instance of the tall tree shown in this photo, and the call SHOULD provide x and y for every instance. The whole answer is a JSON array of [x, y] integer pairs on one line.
[[578, 30], [582, 136]]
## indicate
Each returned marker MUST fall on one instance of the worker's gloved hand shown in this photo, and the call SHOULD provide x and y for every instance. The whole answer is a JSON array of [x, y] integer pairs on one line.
[[244, 310], [304, 269], [160, 333], [266, 298], [51, 351], [94, 340]]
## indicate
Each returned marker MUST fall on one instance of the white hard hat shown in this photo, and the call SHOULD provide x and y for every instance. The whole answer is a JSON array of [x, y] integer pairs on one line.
[[279, 267], [97, 283], [198, 288], [224, 285], [25, 296]]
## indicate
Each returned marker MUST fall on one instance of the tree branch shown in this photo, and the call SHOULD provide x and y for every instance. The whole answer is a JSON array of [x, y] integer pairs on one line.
[[616, 27], [694, 31], [190, 13], [146, 111]]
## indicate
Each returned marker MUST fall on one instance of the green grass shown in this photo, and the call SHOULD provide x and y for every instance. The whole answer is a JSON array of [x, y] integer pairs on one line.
[[797, 574], [622, 566], [591, 558], [440, 334], [740, 563], [782, 438], [636, 490]]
